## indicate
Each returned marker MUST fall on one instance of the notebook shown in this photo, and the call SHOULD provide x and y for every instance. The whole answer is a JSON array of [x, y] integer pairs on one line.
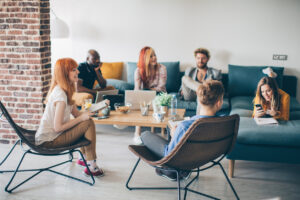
[[135, 97], [99, 95]]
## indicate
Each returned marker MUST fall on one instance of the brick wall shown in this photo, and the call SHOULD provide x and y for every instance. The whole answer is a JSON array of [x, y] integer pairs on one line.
[[25, 57]]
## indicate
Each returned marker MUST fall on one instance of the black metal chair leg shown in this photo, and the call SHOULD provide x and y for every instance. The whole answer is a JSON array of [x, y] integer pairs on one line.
[[93, 179], [130, 176], [231, 186], [13, 176], [178, 185], [9, 153]]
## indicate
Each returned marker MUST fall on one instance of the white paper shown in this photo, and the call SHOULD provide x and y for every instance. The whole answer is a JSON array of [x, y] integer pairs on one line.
[[97, 106], [265, 121]]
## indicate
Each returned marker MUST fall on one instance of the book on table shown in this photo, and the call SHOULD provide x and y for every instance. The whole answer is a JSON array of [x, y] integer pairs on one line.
[[97, 106], [265, 121]]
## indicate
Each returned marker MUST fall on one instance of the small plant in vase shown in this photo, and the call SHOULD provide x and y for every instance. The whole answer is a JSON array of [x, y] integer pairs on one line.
[[164, 100]]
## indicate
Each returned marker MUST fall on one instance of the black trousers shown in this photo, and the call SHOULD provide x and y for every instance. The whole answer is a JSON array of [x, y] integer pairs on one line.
[[154, 143]]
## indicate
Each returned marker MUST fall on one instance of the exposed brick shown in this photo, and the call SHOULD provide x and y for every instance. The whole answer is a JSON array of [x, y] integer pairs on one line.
[[31, 4], [13, 56], [20, 94], [12, 43], [5, 93], [25, 78], [31, 32], [20, 26], [13, 88], [25, 116], [30, 21], [23, 105], [36, 94], [13, 20], [2, 43], [28, 89], [37, 122], [23, 38], [34, 27], [29, 9], [23, 67], [15, 32], [33, 61], [4, 60], [12, 99], [32, 111], [4, 26], [16, 9], [18, 61], [31, 44], [9, 136], [3, 15], [23, 50]]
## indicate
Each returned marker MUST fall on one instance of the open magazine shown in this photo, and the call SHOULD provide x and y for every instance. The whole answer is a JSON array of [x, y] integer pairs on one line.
[[266, 121], [97, 106], [175, 123]]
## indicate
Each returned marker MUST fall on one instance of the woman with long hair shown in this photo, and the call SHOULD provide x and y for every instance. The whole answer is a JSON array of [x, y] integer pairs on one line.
[[56, 128], [270, 100], [149, 75]]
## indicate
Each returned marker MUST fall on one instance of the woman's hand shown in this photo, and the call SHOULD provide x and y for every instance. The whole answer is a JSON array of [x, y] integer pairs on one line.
[[272, 112], [107, 102], [85, 115], [172, 131], [259, 113]]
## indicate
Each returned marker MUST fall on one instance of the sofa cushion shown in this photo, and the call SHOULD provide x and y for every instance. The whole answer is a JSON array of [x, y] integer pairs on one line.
[[173, 75], [295, 115], [243, 80], [120, 85], [112, 70], [241, 112], [285, 134], [294, 104], [244, 102]]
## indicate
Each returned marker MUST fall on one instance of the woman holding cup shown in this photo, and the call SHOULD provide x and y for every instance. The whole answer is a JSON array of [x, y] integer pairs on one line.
[[56, 128]]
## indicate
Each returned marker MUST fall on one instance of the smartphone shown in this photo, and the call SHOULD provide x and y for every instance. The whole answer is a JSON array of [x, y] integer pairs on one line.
[[258, 106], [102, 117]]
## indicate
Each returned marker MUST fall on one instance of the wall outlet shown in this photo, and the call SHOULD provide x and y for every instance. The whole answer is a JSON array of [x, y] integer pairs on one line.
[[279, 57]]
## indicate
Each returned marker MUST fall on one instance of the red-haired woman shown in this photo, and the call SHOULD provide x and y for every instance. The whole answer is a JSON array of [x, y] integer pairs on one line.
[[149, 75], [56, 128]]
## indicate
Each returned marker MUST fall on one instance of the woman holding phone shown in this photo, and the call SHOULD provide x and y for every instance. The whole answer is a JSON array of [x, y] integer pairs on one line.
[[270, 100]]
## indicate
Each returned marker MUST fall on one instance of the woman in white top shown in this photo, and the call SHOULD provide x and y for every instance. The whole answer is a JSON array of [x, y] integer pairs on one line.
[[56, 128]]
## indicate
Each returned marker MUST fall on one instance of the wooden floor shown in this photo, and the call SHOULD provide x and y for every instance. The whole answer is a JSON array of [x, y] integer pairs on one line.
[[254, 180]]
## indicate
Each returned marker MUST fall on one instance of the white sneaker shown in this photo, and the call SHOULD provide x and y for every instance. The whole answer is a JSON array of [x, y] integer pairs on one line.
[[137, 140]]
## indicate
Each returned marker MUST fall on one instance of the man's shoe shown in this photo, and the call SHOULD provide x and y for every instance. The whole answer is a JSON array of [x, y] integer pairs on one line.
[[170, 175], [185, 175], [98, 172]]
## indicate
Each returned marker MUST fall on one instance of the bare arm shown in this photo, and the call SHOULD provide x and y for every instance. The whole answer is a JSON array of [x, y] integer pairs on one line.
[[81, 88], [100, 79], [59, 125]]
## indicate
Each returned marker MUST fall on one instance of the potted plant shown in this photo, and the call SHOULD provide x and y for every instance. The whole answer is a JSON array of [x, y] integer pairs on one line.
[[163, 100]]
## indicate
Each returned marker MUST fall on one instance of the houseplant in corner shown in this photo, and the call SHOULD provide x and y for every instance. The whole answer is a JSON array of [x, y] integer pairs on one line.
[[163, 100]]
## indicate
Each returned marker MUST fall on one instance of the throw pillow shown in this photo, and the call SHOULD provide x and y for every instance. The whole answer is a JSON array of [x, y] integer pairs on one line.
[[111, 71]]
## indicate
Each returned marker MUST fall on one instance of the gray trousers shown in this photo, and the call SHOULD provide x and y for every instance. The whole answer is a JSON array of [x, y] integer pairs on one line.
[[154, 143]]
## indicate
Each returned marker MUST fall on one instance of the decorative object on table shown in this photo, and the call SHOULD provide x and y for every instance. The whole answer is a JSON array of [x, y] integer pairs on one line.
[[145, 108], [159, 116], [87, 104], [173, 111], [122, 107], [106, 111], [164, 100]]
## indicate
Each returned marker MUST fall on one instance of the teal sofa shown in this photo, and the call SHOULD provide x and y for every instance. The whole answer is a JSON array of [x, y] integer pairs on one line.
[[279, 143]]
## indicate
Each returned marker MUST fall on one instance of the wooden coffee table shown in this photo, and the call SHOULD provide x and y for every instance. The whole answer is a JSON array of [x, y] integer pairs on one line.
[[135, 118]]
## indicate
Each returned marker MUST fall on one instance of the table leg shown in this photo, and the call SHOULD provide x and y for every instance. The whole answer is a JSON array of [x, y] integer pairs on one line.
[[163, 132], [152, 129]]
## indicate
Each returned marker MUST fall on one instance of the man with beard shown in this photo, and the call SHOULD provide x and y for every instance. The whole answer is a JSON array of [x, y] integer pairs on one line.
[[194, 76], [89, 72]]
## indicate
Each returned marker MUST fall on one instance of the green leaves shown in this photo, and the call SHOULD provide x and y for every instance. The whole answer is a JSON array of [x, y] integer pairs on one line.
[[163, 99]]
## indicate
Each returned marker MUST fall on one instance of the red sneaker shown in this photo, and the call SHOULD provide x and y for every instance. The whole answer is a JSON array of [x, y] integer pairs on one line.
[[80, 162], [99, 172]]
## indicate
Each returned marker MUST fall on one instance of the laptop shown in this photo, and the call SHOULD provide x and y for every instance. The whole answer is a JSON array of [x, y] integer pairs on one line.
[[135, 97], [99, 95]]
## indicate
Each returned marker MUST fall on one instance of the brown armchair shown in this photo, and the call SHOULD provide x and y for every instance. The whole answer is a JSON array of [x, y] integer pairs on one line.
[[207, 141]]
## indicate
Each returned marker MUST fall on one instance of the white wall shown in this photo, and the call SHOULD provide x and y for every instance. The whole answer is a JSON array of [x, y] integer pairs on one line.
[[239, 32]]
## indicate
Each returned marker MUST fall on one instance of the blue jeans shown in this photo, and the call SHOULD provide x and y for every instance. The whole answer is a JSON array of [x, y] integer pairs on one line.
[[154, 143]]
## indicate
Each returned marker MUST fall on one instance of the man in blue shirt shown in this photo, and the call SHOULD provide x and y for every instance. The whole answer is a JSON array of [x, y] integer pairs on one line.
[[210, 97]]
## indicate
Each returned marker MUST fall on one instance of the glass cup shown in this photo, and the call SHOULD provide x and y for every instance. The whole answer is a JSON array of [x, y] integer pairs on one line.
[[144, 110], [87, 104], [106, 111]]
